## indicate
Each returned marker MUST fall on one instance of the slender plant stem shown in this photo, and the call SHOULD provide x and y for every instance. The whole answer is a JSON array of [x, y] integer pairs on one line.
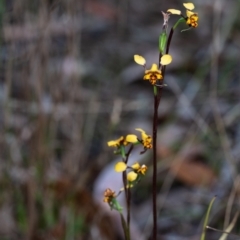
[[127, 192], [124, 178], [154, 180], [157, 99], [128, 211], [169, 40], [126, 231]]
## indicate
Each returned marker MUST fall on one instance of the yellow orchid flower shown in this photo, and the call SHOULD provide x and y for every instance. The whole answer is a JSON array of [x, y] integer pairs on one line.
[[192, 17], [142, 169], [109, 195], [139, 169], [154, 74], [146, 139]]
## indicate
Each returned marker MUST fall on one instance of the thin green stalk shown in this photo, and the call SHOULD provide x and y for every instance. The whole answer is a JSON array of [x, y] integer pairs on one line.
[[206, 219]]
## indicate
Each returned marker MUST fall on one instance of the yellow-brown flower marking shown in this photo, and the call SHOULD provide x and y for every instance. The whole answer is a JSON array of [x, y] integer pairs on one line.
[[147, 142], [139, 169], [142, 169], [109, 195], [146, 139], [192, 19], [153, 74]]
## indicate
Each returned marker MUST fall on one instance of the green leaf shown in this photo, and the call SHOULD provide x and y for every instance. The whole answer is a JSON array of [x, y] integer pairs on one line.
[[162, 42], [206, 219]]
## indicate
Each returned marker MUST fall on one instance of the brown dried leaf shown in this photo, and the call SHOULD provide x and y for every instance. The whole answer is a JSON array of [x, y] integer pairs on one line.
[[193, 173]]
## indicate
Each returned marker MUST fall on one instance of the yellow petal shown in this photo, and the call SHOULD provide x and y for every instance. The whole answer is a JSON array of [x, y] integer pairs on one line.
[[131, 176], [139, 60], [154, 67], [166, 59], [189, 6], [140, 130], [111, 143], [174, 11], [190, 13], [131, 138], [120, 167], [136, 166], [143, 133]]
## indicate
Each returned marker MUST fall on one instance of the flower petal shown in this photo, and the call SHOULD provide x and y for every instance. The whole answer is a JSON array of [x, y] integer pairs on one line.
[[115, 143], [190, 13], [189, 6], [166, 59], [140, 130], [154, 67], [131, 138], [143, 133], [120, 167], [111, 143], [136, 166], [132, 176], [139, 60], [174, 11], [142, 169]]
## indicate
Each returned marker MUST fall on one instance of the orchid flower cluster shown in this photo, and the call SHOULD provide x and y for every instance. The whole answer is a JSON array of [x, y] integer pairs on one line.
[[155, 75], [135, 171]]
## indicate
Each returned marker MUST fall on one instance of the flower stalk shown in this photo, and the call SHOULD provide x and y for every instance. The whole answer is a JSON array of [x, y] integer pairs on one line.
[[131, 175]]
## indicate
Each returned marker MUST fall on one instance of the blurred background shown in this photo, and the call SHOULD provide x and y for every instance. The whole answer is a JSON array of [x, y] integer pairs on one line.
[[69, 84]]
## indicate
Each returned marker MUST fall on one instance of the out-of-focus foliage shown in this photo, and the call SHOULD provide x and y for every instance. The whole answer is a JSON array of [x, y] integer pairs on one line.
[[69, 84]]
